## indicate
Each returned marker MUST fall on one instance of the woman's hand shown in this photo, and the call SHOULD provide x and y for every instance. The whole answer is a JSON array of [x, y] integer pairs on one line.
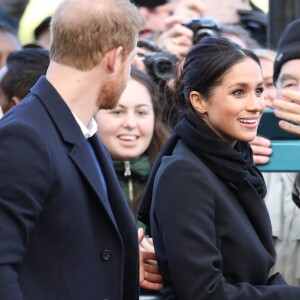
[[261, 148], [150, 277]]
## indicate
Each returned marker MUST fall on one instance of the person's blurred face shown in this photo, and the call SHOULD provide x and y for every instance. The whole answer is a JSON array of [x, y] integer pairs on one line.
[[270, 89], [155, 19], [289, 77], [127, 130], [44, 40], [224, 11], [8, 44], [237, 103], [4, 102]]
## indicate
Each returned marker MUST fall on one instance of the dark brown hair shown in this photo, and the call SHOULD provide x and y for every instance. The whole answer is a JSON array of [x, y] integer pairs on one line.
[[204, 68]]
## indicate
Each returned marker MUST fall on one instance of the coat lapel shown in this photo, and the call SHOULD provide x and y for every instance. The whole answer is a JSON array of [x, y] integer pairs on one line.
[[257, 213], [81, 156], [72, 136]]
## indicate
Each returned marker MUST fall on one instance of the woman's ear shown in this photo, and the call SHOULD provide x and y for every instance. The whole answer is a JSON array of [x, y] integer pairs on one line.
[[198, 102]]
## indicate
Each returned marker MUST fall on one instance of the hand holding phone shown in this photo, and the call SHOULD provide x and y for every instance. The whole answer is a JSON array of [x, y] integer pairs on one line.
[[269, 127], [288, 110]]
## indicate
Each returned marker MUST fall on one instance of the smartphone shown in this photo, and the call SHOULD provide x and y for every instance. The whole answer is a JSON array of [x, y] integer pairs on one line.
[[268, 127]]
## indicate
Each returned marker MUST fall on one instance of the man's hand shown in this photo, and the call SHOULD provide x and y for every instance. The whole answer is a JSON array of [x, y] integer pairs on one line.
[[288, 109], [177, 38], [150, 277]]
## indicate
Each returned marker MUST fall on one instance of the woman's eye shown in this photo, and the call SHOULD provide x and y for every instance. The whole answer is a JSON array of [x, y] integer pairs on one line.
[[238, 92], [142, 113], [116, 112], [259, 91], [269, 85]]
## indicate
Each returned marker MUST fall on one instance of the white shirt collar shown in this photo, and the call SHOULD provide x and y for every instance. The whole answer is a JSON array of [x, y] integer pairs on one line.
[[87, 131]]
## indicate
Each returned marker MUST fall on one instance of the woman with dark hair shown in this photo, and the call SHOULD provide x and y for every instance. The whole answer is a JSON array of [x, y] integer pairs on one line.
[[204, 198], [134, 134]]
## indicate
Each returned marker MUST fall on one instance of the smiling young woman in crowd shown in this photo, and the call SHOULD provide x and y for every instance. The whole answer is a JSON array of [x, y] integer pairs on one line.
[[134, 134]]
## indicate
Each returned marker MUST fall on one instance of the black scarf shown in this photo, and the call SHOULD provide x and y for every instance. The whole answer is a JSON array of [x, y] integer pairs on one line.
[[231, 164]]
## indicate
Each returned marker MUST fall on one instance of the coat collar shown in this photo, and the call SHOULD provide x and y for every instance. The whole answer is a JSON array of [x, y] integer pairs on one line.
[[87, 131], [58, 110]]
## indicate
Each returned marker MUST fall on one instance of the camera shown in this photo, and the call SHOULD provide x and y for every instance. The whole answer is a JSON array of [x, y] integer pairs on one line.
[[203, 27], [160, 65]]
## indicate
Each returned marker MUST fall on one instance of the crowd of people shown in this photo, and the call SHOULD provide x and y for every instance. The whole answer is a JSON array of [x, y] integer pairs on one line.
[[129, 153]]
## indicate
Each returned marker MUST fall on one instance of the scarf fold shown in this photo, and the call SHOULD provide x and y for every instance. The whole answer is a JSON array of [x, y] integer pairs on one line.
[[233, 165]]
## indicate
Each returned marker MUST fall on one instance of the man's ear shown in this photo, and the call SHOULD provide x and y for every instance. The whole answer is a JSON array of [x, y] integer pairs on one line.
[[198, 102], [112, 58]]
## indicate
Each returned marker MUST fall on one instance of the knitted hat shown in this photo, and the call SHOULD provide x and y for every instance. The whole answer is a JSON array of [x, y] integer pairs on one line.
[[288, 46], [149, 3]]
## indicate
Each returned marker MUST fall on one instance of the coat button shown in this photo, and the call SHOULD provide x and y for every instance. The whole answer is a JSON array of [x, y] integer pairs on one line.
[[106, 255]]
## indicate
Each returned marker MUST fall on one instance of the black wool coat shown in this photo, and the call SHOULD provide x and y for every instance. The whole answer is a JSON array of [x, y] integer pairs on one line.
[[212, 242], [60, 236]]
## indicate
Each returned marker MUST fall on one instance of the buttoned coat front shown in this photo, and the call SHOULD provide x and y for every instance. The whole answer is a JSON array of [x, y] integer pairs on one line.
[[61, 237], [212, 242]]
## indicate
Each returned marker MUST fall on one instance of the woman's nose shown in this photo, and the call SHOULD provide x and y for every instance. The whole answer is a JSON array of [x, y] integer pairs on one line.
[[256, 103], [129, 120]]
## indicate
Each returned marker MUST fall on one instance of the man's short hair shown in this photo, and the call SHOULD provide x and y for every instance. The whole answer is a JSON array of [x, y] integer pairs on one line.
[[82, 31]]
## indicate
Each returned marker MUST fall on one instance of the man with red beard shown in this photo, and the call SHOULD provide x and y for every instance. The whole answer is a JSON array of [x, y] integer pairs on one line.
[[65, 230]]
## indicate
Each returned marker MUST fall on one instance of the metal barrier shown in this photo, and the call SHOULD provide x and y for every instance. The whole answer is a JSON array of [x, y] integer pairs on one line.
[[285, 157], [149, 297]]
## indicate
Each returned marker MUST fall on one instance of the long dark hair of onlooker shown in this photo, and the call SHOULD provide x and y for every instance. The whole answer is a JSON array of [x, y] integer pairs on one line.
[[161, 133]]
